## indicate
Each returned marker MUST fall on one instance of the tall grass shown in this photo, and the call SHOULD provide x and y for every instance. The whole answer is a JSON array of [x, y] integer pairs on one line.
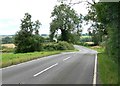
[[12, 59], [107, 68]]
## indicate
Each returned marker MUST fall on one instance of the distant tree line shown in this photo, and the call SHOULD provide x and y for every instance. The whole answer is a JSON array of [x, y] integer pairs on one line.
[[7, 40]]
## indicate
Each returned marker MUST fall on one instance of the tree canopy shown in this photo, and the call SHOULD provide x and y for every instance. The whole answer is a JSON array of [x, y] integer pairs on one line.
[[28, 39], [104, 16], [66, 20]]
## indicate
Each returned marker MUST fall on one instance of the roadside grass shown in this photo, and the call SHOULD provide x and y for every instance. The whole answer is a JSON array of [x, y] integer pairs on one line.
[[9, 59], [107, 68], [99, 49]]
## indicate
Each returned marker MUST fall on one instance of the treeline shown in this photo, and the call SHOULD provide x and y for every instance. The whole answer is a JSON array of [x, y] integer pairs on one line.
[[64, 18], [7, 40], [27, 39], [105, 27]]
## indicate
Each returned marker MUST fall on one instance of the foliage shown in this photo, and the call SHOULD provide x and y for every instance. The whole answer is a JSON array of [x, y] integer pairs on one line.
[[104, 16], [107, 68], [28, 39], [61, 45], [66, 20], [108, 14], [97, 30], [7, 40]]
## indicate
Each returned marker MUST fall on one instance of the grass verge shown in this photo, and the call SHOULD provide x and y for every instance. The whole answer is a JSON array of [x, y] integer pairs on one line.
[[107, 68], [9, 59]]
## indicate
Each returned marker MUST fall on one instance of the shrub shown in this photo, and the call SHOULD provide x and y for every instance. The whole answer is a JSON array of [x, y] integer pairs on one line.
[[58, 46], [49, 46], [27, 39], [62, 45]]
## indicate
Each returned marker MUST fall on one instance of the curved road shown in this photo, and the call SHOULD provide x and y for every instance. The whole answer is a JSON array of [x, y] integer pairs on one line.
[[64, 68]]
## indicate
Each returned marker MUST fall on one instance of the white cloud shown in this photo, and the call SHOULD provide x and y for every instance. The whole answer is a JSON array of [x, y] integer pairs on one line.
[[11, 11]]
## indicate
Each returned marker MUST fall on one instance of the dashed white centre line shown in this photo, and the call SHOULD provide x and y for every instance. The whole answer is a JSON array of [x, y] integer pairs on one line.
[[45, 70], [66, 58]]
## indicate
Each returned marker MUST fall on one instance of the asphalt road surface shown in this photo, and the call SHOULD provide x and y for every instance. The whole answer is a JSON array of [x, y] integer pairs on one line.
[[64, 68]]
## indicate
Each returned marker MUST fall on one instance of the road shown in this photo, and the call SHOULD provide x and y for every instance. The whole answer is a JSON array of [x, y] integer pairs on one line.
[[64, 68]]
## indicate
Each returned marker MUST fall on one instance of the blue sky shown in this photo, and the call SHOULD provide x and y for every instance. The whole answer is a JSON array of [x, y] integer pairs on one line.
[[13, 10]]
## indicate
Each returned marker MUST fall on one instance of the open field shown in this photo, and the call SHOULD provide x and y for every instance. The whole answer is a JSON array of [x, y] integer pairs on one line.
[[85, 36], [7, 48], [8, 45]]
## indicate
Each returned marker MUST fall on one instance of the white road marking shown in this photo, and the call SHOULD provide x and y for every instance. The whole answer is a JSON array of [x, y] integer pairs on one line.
[[45, 70], [66, 58], [95, 71]]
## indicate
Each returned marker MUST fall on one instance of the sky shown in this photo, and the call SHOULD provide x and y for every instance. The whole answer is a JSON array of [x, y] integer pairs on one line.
[[12, 11]]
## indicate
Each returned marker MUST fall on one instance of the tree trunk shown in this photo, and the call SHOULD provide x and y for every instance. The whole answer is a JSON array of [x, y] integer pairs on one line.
[[64, 35]]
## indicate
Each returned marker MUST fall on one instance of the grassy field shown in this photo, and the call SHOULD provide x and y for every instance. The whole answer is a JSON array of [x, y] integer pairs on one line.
[[107, 68], [8, 45], [12, 59], [7, 48], [85, 36]]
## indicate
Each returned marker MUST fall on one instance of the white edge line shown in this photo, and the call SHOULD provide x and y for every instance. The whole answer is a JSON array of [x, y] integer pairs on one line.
[[45, 70], [95, 71], [66, 58]]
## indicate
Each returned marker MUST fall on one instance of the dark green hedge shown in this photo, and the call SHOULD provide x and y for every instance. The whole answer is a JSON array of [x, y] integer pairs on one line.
[[61, 45]]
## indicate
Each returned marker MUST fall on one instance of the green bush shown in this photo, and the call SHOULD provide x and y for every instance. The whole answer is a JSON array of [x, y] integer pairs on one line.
[[58, 46], [64, 46], [49, 46]]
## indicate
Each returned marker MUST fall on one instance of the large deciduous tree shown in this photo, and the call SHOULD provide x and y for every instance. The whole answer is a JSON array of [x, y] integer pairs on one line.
[[27, 39], [66, 20], [106, 14], [97, 28]]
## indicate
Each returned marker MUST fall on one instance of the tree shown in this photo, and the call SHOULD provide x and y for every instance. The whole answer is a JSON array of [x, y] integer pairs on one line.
[[97, 28], [27, 39], [7, 40], [105, 18], [66, 20], [37, 26], [110, 11]]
